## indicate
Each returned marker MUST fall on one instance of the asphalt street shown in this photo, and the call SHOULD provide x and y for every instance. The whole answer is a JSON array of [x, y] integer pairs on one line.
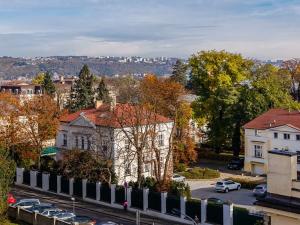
[[98, 212]]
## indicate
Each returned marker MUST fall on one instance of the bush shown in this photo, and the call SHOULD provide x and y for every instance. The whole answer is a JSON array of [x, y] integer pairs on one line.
[[246, 183], [241, 216], [179, 189], [180, 167], [201, 173]]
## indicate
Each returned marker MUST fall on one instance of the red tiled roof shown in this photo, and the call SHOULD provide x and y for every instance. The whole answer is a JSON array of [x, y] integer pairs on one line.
[[275, 118], [121, 115]]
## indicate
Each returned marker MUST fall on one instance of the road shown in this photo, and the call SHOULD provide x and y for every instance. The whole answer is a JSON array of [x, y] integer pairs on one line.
[[205, 189], [98, 212]]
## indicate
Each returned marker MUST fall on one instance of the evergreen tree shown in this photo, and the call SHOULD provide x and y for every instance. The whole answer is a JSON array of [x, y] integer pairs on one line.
[[48, 85], [102, 93], [179, 72], [82, 93]]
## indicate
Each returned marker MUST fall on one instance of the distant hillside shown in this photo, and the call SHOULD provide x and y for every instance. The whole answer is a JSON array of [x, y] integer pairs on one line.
[[11, 68]]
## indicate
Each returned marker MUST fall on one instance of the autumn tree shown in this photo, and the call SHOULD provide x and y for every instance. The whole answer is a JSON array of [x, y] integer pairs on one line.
[[292, 68], [82, 93], [39, 78]]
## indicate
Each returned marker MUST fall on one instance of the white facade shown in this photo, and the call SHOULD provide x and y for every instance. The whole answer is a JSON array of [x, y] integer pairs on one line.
[[259, 142], [112, 143]]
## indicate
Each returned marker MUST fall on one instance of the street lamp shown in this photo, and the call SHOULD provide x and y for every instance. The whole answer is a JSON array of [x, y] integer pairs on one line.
[[73, 200]]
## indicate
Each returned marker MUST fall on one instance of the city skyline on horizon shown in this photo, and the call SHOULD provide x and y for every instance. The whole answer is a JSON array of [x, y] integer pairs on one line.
[[258, 29]]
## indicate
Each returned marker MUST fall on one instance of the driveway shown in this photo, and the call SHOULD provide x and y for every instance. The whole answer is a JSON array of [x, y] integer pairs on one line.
[[205, 189]]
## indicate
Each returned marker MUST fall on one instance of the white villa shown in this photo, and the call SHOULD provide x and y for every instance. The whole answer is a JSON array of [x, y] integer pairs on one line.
[[112, 130], [277, 129]]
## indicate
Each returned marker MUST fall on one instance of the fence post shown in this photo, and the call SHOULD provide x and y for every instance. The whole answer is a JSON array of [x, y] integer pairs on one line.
[[228, 214], [20, 172], [33, 174], [58, 184], [35, 217], [203, 210], [18, 213], [71, 182], [45, 181], [145, 198], [112, 193], [84, 181], [163, 202], [129, 190], [98, 192], [182, 206]]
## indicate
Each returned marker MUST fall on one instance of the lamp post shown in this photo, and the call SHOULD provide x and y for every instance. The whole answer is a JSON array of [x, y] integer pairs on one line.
[[73, 200]]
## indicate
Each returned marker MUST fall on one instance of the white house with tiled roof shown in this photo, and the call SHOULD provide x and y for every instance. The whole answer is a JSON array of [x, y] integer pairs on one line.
[[277, 129], [110, 130]]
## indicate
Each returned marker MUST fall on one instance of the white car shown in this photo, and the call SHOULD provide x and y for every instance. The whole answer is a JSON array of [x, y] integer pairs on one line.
[[51, 212], [178, 178], [65, 215], [226, 186]]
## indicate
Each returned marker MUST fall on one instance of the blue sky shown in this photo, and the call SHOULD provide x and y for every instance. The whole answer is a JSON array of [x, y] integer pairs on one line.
[[264, 29]]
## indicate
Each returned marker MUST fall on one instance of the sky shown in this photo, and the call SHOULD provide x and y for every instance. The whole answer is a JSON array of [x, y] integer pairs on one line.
[[262, 29]]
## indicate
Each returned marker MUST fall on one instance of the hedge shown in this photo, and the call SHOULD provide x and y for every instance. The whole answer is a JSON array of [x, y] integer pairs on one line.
[[193, 208], [246, 183], [26, 177], [120, 194], [154, 201], [201, 173], [173, 202], [241, 216], [105, 194], [65, 186], [214, 213], [77, 187], [137, 198], [91, 190]]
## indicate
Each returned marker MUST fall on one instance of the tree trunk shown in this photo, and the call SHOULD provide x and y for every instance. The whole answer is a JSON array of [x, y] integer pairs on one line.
[[139, 167], [236, 139]]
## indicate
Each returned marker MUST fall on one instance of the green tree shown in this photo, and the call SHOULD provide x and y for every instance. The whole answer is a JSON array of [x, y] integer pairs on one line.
[[179, 72], [48, 85], [7, 172], [82, 93], [102, 92], [216, 78]]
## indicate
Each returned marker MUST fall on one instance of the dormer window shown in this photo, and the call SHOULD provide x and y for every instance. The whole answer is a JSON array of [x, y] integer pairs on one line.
[[286, 136]]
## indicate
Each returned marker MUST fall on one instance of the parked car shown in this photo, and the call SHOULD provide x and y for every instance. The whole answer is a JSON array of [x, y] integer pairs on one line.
[[65, 215], [41, 207], [51, 212], [215, 200], [178, 178], [10, 199], [82, 220], [260, 190], [26, 203], [227, 185], [236, 164]]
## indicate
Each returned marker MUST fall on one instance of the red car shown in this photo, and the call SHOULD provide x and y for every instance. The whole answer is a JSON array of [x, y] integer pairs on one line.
[[10, 199]]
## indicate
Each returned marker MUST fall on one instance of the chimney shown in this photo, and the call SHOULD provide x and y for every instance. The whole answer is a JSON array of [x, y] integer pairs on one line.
[[98, 103], [62, 79]]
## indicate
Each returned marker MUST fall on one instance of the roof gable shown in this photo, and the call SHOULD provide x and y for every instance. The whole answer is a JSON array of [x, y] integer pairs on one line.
[[82, 121]]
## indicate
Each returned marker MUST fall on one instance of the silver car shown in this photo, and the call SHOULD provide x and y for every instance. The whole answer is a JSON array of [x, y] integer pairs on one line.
[[260, 190], [26, 203]]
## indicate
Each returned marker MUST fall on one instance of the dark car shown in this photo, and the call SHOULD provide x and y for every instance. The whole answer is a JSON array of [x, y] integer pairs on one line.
[[236, 164], [82, 220], [215, 200]]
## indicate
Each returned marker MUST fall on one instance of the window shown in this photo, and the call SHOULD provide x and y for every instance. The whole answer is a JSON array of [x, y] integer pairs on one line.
[[298, 157], [82, 142], [298, 137], [126, 144], [65, 140], [161, 140], [76, 142], [89, 144], [256, 132], [104, 145], [146, 168], [286, 136], [257, 151], [128, 170], [275, 135]]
